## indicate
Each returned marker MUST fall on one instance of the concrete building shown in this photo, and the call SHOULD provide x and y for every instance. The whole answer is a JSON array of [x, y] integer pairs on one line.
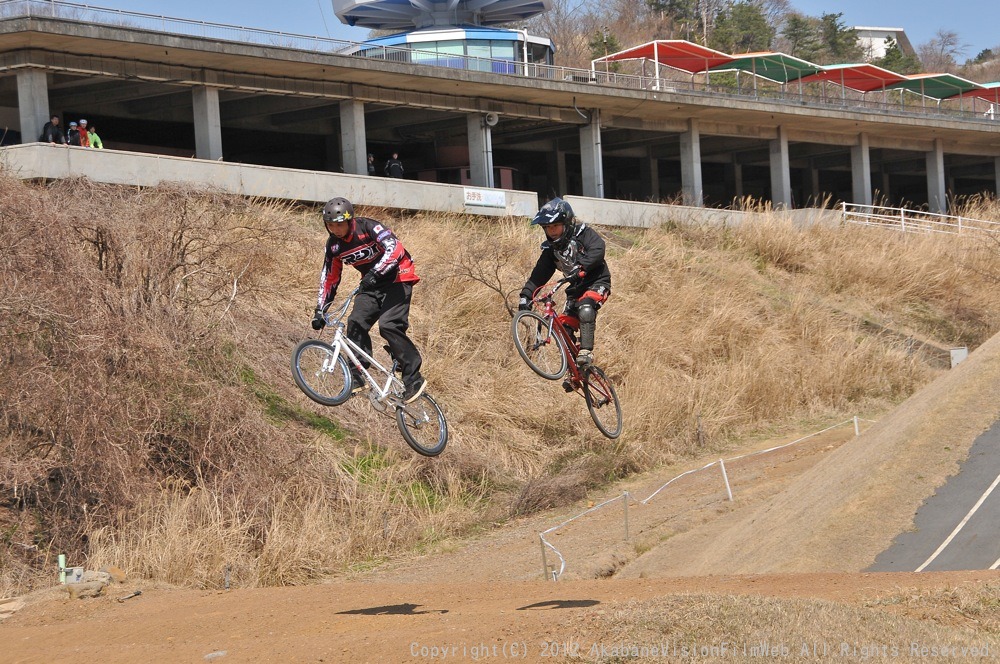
[[236, 95], [873, 41]]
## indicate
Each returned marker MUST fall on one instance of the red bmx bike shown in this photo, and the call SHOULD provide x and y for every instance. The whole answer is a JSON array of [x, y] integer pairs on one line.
[[545, 341]]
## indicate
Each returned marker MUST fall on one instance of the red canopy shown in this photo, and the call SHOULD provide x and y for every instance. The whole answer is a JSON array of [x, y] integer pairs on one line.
[[674, 53], [860, 77]]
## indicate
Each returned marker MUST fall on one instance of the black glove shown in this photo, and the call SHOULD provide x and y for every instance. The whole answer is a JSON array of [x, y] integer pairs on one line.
[[575, 278], [318, 322], [368, 282], [524, 304]]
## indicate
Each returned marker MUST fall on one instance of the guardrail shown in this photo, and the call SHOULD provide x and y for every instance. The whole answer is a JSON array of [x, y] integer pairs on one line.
[[914, 221], [550, 572], [912, 106]]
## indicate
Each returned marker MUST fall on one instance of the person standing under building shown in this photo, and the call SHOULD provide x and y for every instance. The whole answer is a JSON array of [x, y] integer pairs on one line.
[[73, 135], [394, 167], [84, 135], [95, 140], [52, 132], [371, 164]]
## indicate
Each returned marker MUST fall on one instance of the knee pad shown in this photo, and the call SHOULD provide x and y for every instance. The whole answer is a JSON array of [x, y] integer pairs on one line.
[[587, 312]]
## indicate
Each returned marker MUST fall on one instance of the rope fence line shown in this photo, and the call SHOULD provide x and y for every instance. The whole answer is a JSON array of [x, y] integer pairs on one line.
[[554, 574]]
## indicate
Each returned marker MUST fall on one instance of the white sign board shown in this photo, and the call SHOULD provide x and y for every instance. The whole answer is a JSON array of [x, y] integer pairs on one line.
[[486, 197]]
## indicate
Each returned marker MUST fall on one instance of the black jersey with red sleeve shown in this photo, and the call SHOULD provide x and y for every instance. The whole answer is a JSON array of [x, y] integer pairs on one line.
[[371, 246]]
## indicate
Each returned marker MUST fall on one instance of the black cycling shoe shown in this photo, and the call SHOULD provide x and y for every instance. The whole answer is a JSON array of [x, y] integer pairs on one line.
[[413, 391], [567, 385]]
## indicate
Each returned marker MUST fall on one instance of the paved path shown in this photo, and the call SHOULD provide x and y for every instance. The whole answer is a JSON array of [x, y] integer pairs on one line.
[[958, 528]]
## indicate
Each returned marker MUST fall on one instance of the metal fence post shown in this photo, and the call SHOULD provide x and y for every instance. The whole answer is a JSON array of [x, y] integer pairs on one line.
[[545, 563], [625, 503], [725, 478]]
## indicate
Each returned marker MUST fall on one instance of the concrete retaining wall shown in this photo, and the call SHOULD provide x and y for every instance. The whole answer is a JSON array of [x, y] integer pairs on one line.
[[602, 211], [39, 160]]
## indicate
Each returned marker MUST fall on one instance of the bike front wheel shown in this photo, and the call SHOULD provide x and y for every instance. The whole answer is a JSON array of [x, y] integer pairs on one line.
[[538, 345], [602, 402], [321, 373], [423, 425]]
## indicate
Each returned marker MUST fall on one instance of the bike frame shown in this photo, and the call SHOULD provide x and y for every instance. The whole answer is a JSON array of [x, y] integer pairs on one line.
[[558, 324], [343, 344]]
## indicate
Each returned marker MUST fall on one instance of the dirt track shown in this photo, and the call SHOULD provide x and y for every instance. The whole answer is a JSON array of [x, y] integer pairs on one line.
[[385, 622]]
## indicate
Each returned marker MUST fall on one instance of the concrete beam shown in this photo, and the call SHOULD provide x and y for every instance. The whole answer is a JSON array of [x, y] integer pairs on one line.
[[781, 185], [480, 150], [591, 159], [353, 141], [207, 124], [691, 185], [861, 172], [32, 103], [937, 195]]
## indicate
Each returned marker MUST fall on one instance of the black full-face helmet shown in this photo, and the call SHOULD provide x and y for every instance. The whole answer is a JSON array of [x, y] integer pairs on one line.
[[556, 211], [337, 210]]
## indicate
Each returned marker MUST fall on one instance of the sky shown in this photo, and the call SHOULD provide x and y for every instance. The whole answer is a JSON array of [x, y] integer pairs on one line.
[[975, 23]]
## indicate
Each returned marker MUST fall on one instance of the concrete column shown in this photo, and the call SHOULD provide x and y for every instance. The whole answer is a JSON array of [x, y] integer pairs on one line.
[[649, 173], [781, 176], [207, 123], [32, 103], [886, 181], [332, 149], [561, 181], [737, 179], [996, 178], [937, 196], [861, 169], [480, 150], [691, 187], [814, 183], [353, 141], [590, 156]]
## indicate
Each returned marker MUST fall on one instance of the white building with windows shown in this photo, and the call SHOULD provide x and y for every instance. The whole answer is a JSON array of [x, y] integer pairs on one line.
[[873, 40]]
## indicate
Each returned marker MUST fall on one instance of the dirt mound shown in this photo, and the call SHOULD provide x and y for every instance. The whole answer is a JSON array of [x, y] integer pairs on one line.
[[848, 508]]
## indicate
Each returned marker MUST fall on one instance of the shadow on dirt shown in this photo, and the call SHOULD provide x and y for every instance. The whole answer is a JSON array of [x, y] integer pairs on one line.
[[391, 610], [560, 604]]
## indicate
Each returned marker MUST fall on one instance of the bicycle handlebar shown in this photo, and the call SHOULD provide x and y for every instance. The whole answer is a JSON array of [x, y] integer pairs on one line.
[[339, 313], [538, 296]]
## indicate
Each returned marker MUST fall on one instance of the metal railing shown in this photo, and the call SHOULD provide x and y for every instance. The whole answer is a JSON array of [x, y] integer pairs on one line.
[[914, 221], [912, 105]]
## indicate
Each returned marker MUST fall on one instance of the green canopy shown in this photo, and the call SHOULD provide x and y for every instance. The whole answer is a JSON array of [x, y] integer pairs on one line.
[[776, 67], [936, 86]]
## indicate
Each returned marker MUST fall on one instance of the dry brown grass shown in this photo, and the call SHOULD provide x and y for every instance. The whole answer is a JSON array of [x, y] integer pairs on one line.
[[736, 628], [149, 420]]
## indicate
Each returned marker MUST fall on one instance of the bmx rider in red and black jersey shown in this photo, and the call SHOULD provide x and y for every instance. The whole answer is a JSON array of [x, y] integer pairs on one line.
[[387, 279]]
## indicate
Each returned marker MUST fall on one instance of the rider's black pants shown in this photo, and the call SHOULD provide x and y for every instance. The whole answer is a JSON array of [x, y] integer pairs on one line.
[[389, 306]]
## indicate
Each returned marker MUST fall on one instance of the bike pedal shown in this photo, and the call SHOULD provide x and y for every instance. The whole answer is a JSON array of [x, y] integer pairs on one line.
[[567, 385]]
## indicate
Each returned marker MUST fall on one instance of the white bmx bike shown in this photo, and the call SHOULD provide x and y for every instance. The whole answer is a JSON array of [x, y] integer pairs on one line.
[[323, 371]]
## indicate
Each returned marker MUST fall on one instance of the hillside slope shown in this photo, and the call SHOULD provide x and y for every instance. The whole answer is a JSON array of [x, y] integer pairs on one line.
[[148, 420]]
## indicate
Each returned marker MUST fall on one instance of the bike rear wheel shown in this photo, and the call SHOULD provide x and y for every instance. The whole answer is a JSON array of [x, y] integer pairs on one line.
[[423, 425], [320, 373], [537, 345], [602, 402]]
